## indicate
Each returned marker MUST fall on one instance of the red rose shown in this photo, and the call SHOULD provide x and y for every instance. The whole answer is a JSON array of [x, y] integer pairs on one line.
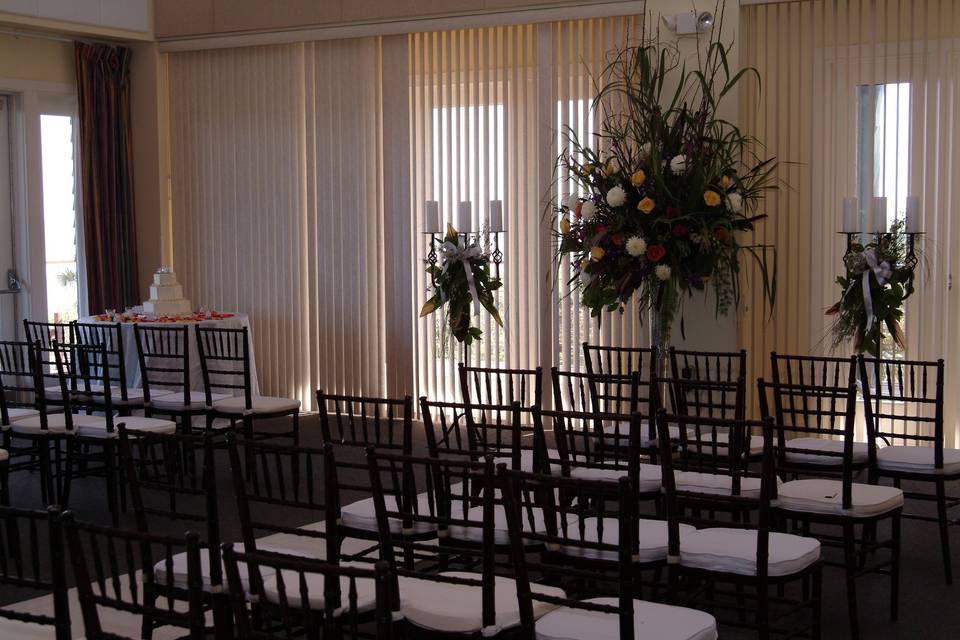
[[579, 207], [655, 252], [672, 212], [679, 230], [721, 234], [618, 239]]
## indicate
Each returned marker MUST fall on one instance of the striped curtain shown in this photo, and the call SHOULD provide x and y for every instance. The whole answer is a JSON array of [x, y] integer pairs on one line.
[[106, 173]]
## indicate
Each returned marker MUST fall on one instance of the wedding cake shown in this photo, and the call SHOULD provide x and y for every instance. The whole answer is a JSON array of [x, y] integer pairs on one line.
[[166, 296]]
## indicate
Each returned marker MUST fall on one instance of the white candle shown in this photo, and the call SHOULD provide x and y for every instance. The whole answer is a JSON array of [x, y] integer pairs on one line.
[[879, 214], [464, 216], [496, 216], [431, 216], [851, 215], [913, 214]]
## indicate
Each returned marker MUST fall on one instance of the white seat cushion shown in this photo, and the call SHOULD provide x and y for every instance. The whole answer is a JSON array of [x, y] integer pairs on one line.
[[917, 460], [236, 405], [823, 444], [18, 413], [650, 476], [53, 392], [653, 539], [526, 459], [735, 551], [14, 629], [4, 455], [501, 533], [651, 621], [180, 567], [823, 495], [56, 423], [366, 590], [132, 423], [456, 608], [714, 483], [173, 400], [362, 515]]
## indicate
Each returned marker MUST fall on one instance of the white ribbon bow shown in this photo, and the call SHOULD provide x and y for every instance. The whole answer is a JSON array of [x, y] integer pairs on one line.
[[451, 253], [881, 271]]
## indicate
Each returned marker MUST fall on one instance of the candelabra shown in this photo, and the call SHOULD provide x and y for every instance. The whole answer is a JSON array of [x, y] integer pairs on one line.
[[488, 237], [878, 219]]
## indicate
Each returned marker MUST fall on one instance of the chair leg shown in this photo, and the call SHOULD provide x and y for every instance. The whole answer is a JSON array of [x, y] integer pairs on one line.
[[763, 610], [42, 448], [68, 473], [850, 563], [944, 524], [110, 475], [894, 567], [815, 604]]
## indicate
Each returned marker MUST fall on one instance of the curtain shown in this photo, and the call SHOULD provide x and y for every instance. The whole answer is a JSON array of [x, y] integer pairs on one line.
[[857, 98], [277, 206], [490, 108], [106, 172]]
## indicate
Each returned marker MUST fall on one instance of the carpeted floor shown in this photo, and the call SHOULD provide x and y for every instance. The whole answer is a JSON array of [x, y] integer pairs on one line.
[[929, 609]]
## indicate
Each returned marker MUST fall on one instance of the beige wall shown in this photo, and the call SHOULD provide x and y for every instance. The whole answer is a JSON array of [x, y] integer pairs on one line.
[[24, 58], [176, 18]]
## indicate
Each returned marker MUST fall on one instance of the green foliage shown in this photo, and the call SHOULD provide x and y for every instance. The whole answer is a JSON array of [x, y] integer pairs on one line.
[[887, 294], [451, 287]]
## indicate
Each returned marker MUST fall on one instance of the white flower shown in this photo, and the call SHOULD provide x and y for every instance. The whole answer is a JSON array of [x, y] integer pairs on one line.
[[573, 201], [678, 164], [662, 272], [636, 246], [616, 197], [645, 150], [735, 202], [586, 278], [588, 211]]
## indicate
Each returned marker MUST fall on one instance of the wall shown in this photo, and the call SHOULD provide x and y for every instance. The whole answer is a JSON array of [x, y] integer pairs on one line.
[[132, 15], [24, 58], [178, 18]]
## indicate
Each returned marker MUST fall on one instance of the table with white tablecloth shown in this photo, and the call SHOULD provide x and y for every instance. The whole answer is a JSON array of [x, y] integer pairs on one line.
[[132, 363]]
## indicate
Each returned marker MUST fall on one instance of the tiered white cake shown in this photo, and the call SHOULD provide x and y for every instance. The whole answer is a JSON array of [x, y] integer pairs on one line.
[[166, 296]]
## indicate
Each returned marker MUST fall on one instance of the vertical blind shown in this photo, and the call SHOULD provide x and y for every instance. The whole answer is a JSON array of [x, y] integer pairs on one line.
[[282, 158], [490, 113], [277, 208], [859, 98]]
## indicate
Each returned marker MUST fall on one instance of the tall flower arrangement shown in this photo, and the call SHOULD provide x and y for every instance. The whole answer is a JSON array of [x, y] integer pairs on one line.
[[666, 189]]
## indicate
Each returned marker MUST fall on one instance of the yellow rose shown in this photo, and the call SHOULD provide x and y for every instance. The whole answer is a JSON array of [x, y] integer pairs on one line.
[[608, 169], [638, 178], [725, 182], [597, 253], [647, 205], [564, 226], [584, 264], [712, 198], [586, 170]]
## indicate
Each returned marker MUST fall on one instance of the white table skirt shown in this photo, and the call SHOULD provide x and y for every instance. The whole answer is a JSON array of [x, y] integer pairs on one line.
[[132, 363]]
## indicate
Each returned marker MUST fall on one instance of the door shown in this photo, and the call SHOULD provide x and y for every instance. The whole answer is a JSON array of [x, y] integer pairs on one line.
[[10, 294]]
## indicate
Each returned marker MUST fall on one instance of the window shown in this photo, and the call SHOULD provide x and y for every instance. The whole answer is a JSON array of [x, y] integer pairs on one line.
[[60, 217]]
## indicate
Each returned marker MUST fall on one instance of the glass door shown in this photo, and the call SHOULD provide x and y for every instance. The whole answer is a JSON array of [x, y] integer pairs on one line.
[[10, 293]]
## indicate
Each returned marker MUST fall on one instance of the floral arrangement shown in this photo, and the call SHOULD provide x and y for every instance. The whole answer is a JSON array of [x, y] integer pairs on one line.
[[666, 194], [878, 280], [461, 277]]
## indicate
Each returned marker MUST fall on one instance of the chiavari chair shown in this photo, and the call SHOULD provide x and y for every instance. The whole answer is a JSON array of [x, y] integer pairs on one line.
[[277, 484], [114, 569], [124, 399], [47, 335], [807, 399], [18, 400], [310, 598], [457, 587], [837, 502], [32, 563], [225, 357], [903, 403], [595, 539], [736, 551], [714, 366], [92, 441], [349, 425], [166, 375], [708, 399], [172, 478]]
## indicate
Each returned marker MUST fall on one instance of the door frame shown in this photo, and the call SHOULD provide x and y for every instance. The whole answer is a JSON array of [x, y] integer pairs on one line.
[[27, 98]]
